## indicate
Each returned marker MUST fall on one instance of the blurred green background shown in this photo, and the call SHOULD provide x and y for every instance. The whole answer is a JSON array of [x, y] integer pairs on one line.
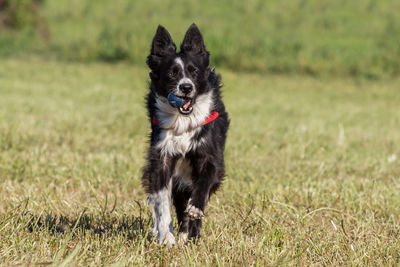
[[314, 37]]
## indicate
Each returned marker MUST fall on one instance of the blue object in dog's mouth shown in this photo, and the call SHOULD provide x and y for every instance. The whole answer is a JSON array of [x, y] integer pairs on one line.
[[184, 105], [176, 101]]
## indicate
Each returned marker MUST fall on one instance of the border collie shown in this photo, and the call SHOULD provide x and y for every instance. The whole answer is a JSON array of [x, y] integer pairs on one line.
[[189, 124]]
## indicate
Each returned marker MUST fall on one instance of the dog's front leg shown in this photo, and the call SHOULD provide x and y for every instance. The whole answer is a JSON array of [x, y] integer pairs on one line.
[[205, 180], [159, 200]]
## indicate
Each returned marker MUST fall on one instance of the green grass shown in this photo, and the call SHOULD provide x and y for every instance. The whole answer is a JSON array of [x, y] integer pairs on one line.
[[334, 38], [312, 170]]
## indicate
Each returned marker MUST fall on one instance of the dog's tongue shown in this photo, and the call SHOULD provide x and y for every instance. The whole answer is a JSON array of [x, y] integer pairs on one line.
[[187, 104]]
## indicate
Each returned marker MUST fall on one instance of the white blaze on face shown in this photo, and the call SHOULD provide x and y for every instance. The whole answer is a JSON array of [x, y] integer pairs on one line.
[[179, 61], [184, 79]]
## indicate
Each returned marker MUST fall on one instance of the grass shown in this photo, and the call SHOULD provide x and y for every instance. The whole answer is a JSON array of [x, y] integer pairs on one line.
[[312, 170], [320, 38]]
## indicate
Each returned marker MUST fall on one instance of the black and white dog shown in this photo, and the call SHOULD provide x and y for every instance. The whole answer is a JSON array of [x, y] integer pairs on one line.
[[189, 126]]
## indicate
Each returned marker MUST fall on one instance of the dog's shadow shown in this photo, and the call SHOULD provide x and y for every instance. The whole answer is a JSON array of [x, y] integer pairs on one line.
[[130, 226]]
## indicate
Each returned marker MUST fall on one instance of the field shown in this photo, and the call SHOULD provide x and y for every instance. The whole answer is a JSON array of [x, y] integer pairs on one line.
[[312, 170], [313, 37]]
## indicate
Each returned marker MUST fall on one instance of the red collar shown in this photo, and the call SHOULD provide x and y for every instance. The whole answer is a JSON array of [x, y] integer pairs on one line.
[[209, 119]]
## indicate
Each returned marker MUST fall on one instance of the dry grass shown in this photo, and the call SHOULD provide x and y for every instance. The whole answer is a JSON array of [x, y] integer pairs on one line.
[[312, 171]]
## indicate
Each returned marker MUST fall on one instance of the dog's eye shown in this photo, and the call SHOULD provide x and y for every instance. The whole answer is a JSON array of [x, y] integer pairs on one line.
[[173, 72], [191, 69]]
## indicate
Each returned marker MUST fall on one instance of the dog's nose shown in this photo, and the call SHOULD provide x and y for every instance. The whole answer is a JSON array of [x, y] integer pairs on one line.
[[186, 88]]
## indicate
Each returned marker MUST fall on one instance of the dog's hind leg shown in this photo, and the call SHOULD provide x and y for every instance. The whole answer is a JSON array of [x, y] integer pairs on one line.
[[194, 227], [181, 199]]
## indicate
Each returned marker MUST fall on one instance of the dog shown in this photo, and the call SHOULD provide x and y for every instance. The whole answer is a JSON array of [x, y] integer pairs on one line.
[[185, 159]]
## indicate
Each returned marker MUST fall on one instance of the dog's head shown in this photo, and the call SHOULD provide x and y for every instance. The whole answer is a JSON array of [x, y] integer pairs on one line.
[[182, 74]]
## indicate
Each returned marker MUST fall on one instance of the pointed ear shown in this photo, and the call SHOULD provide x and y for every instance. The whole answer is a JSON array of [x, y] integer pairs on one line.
[[161, 46], [193, 43]]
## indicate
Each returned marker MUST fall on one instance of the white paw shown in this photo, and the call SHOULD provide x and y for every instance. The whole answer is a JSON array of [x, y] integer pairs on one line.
[[154, 231], [193, 212], [182, 237], [168, 239]]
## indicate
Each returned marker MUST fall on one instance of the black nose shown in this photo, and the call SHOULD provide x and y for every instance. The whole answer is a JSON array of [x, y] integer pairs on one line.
[[186, 87]]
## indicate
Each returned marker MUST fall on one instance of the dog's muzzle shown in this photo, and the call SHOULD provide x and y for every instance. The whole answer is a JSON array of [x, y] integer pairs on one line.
[[183, 104]]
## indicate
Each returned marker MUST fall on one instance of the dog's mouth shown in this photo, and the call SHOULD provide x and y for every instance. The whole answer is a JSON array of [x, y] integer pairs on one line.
[[183, 104], [187, 108]]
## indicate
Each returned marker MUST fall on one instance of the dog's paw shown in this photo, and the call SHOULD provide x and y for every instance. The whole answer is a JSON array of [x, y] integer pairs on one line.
[[168, 239], [182, 237], [154, 231], [193, 212]]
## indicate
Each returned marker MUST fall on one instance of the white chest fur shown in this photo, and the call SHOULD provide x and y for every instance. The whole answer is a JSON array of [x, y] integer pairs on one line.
[[172, 144], [176, 137]]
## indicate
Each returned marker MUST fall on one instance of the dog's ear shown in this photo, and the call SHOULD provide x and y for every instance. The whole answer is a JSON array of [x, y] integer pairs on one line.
[[161, 46], [193, 43]]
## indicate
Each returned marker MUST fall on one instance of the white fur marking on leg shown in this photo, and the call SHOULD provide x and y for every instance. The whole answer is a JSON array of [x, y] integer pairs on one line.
[[159, 203]]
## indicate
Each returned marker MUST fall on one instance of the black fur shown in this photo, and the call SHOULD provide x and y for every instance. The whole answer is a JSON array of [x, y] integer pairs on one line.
[[207, 159]]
